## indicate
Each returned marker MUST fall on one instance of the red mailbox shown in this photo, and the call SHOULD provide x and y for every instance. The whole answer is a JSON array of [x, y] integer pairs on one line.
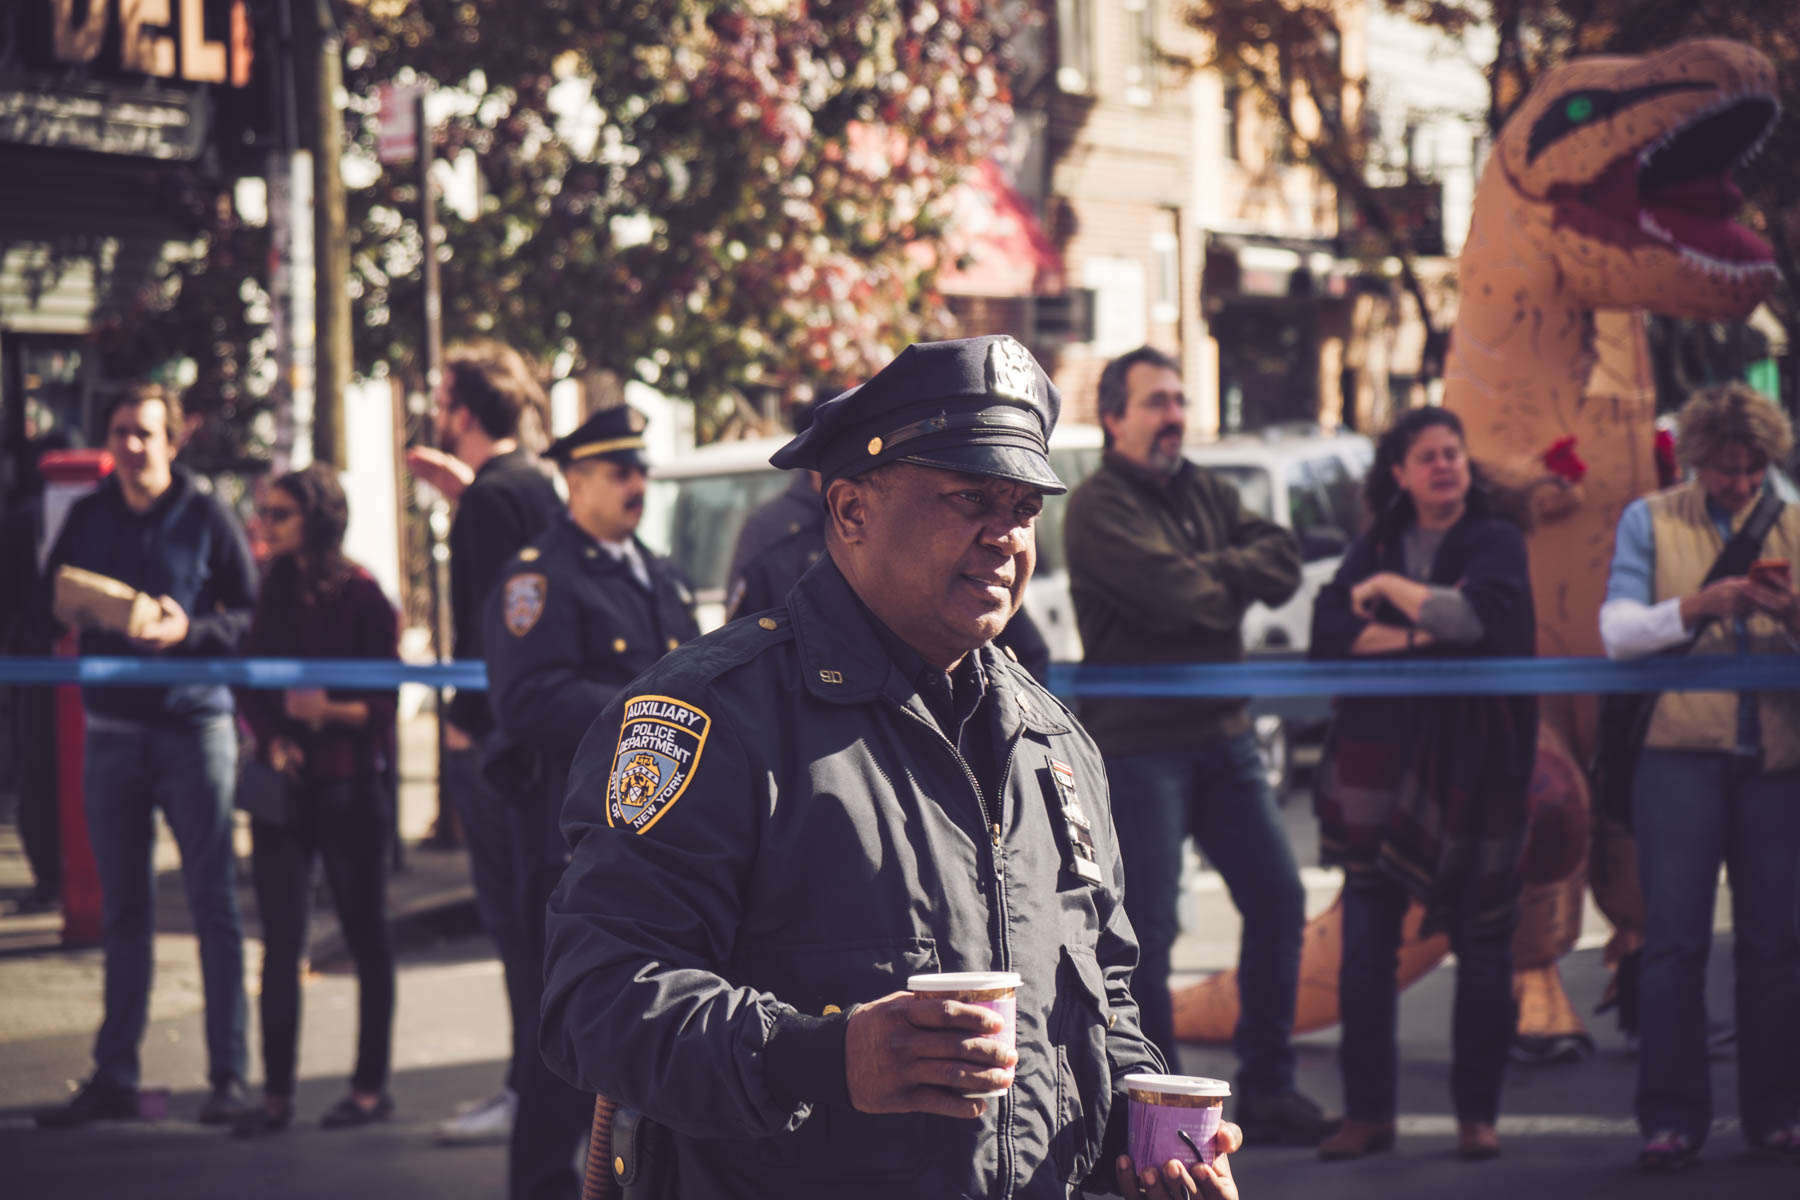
[[69, 475]]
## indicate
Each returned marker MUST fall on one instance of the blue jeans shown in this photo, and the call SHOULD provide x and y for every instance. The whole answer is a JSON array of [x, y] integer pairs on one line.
[[1694, 810], [187, 771], [1215, 791]]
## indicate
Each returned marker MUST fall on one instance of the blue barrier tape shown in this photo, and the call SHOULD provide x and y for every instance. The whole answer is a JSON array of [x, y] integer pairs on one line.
[[1418, 677]]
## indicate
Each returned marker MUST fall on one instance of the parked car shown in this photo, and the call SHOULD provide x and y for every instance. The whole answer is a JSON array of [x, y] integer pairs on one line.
[[1307, 480]]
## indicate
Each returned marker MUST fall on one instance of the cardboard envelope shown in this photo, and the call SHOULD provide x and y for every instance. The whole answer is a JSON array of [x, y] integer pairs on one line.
[[87, 600]]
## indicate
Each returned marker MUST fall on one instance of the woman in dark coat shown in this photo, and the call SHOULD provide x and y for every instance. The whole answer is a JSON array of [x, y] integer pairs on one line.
[[336, 748], [1425, 798]]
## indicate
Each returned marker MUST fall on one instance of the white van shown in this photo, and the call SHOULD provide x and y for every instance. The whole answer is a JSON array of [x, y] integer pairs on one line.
[[1299, 477], [695, 506]]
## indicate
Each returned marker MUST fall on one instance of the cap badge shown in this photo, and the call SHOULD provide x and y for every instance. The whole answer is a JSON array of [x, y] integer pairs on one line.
[[1011, 372], [874, 445]]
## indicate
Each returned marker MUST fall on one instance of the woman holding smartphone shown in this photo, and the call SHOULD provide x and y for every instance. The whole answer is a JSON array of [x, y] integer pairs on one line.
[[1718, 781], [335, 748]]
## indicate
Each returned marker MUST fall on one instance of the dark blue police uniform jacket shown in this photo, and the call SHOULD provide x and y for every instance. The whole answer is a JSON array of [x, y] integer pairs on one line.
[[565, 629], [768, 828]]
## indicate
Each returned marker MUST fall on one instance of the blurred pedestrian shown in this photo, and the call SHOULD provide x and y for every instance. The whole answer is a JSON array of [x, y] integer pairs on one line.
[[153, 526], [1706, 566], [578, 614], [503, 499], [1426, 798], [1163, 561], [333, 747], [783, 536]]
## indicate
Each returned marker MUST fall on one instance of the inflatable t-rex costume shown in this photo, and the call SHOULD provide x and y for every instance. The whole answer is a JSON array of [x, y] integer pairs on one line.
[[1607, 191]]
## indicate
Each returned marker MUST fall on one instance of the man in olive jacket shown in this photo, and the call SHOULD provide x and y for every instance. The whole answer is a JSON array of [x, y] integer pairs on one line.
[[1163, 561]]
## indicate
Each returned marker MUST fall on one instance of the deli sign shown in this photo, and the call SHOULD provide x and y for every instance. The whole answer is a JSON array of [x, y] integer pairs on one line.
[[166, 39], [139, 78]]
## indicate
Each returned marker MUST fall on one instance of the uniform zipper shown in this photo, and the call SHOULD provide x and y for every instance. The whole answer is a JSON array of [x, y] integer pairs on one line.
[[1008, 1151]]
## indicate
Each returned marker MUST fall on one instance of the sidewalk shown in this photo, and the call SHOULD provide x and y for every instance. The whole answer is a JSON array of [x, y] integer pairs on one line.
[[51, 989]]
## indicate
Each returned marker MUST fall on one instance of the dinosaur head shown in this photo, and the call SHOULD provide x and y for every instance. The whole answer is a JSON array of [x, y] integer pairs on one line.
[[1632, 159]]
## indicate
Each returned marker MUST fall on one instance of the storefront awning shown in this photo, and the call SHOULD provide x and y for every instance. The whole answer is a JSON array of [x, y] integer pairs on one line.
[[1001, 245]]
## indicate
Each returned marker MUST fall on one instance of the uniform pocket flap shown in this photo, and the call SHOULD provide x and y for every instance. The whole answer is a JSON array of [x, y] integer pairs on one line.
[[1085, 970]]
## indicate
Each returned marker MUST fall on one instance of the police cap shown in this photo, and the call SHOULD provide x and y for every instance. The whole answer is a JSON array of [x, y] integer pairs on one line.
[[615, 433], [981, 406]]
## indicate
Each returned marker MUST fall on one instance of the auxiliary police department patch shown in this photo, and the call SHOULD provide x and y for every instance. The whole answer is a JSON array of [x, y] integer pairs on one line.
[[660, 741], [524, 602]]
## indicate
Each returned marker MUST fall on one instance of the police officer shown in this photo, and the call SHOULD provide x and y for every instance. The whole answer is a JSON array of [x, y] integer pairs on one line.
[[579, 612], [774, 827]]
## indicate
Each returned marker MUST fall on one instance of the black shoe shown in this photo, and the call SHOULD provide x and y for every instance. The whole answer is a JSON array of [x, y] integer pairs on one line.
[[1534, 1050], [348, 1114], [262, 1119], [1283, 1119], [95, 1101], [227, 1104]]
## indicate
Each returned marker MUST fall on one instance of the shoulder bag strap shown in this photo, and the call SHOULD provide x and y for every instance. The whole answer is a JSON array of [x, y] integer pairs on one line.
[[1735, 559]]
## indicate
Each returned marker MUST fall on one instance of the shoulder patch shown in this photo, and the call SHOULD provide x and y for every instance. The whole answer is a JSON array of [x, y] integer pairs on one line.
[[524, 602], [660, 742]]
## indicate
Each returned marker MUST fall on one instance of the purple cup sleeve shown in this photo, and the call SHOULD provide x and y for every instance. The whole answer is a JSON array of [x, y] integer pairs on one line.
[[1156, 1132]]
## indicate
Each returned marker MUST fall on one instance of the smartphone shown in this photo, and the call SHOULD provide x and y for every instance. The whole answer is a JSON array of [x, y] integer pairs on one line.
[[1771, 572]]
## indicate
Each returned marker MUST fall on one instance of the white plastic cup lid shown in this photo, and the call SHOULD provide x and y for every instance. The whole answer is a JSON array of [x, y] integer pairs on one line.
[[964, 981], [1177, 1085]]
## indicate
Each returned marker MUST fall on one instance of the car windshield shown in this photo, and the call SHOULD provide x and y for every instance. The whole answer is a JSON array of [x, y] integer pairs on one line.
[[1253, 486], [695, 522], [1071, 466]]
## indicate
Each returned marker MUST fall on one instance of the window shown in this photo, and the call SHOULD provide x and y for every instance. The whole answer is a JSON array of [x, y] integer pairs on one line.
[[695, 521], [1074, 45], [1253, 486], [1313, 507], [1071, 466], [1140, 52], [1165, 274], [1228, 113]]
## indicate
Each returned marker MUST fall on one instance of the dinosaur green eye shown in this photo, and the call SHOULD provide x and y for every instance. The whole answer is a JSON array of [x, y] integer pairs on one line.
[[1580, 108]]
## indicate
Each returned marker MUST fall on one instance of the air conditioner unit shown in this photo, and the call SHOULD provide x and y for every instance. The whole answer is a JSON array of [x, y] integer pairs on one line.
[[1068, 317]]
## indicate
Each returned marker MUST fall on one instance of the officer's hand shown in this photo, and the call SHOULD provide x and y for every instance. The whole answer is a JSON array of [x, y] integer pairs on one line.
[[1176, 1180], [457, 738], [909, 1053], [445, 472], [169, 629]]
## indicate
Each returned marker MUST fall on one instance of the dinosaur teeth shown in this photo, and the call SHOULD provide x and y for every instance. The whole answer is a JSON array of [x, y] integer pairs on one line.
[[1736, 272], [1651, 226]]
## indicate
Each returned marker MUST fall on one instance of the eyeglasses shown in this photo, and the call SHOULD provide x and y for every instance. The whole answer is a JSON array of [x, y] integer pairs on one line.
[[276, 515]]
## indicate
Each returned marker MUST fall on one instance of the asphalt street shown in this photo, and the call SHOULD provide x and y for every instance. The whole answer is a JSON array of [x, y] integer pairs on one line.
[[1566, 1129]]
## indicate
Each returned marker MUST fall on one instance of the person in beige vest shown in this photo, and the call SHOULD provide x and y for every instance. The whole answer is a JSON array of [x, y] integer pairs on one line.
[[1718, 782]]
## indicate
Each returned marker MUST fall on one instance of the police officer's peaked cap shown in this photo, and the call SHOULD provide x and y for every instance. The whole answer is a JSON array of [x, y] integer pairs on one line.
[[616, 433], [981, 406]]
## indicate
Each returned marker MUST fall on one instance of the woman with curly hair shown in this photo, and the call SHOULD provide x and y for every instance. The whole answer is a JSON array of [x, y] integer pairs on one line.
[[334, 748], [1425, 798], [1718, 778]]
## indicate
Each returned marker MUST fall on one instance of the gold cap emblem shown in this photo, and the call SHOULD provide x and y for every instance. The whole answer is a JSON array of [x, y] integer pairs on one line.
[[875, 445]]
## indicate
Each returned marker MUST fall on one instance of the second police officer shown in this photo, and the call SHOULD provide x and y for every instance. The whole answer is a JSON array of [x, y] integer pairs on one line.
[[579, 612]]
